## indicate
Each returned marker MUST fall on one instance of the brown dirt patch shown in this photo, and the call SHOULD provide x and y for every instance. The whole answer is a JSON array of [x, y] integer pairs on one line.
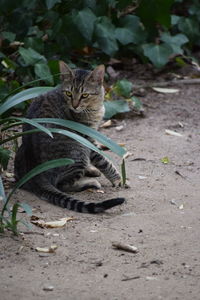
[[85, 266]]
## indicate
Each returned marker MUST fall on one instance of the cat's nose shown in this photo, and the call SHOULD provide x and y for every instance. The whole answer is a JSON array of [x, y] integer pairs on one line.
[[75, 104]]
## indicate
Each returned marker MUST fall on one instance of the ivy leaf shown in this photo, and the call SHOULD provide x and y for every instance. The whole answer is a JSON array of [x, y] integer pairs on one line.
[[31, 57], [157, 54], [114, 107], [175, 41], [190, 27], [105, 36], [84, 20], [50, 3], [43, 72], [131, 31], [123, 88], [10, 36]]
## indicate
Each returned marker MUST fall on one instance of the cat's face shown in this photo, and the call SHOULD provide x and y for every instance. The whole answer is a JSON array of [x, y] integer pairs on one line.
[[83, 90]]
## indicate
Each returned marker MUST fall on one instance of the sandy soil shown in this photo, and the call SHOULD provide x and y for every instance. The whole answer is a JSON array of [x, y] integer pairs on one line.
[[161, 218]]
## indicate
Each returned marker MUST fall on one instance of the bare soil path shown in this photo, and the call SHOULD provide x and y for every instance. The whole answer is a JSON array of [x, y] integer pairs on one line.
[[161, 218]]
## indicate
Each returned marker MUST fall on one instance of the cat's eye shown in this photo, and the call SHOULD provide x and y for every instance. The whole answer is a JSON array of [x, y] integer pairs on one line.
[[68, 93], [85, 95]]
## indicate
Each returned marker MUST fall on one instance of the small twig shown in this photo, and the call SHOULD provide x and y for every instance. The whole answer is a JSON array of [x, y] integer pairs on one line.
[[32, 232], [130, 278]]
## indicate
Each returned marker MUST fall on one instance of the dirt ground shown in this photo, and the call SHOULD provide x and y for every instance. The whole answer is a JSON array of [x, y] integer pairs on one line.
[[161, 218]]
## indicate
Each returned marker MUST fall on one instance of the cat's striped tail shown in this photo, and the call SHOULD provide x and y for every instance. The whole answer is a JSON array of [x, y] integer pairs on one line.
[[56, 197]]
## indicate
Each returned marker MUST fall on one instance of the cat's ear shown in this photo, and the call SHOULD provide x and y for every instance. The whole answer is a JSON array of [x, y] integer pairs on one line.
[[97, 75], [65, 71]]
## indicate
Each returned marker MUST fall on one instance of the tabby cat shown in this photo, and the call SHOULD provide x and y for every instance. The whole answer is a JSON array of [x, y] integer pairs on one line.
[[80, 98]]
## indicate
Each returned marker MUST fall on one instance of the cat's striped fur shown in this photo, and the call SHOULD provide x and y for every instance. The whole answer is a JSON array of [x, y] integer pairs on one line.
[[80, 99]]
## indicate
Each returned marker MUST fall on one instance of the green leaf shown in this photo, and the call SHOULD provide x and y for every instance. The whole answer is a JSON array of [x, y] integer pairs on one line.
[[50, 3], [43, 72], [2, 192], [124, 36], [175, 42], [23, 96], [155, 11], [31, 57], [86, 131], [39, 169], [114, 107], [123, 88], [105, 36], [4, 157], [10, 36], [35, 124], [191, 28], [84, 20], [131, 31], [137, 104], [27, 208], [165, 160], [123, 171], [157, 54]]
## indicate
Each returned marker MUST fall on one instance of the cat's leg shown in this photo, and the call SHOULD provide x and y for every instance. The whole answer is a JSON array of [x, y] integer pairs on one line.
[[106, 167], [80, 185], [91, 171], [72, 178]]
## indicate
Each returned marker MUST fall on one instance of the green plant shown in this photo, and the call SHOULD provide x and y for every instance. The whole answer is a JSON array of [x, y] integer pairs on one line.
[[120, 99], [10, 219], [87, 32]]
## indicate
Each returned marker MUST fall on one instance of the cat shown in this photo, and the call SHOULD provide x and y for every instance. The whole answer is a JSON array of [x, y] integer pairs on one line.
[[79, 98]]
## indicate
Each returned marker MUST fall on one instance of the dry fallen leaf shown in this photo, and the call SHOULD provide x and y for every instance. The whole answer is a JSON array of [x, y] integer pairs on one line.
[[165, 90], [51, 224], [106, 124], [171, 132], [50, 249]]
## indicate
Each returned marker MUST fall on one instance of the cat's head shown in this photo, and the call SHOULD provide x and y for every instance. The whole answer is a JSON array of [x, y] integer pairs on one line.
[[83, 90]]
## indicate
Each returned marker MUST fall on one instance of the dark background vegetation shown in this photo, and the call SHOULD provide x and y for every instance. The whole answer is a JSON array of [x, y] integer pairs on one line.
[[36, 34]]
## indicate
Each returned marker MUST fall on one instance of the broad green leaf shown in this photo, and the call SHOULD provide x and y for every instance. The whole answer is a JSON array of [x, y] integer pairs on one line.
[[42, 71], [131, 30], [39, 169], [123, 88], [84, 21], [157, 54], [10, 36], [23, 96], [86, 131], [137, 104], [4, 157], [50, 3], [155, 11], [105, 36], [190, 27], [175, 41], [124, 36], [114, 107], [31, 57]]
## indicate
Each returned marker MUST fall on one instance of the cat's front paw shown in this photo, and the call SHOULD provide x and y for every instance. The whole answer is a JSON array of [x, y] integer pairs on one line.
[[119, 183]]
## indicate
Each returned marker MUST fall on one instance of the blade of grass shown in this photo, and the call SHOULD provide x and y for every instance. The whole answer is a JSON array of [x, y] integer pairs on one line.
[[23, 96], [37, 170], [86, 131]]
